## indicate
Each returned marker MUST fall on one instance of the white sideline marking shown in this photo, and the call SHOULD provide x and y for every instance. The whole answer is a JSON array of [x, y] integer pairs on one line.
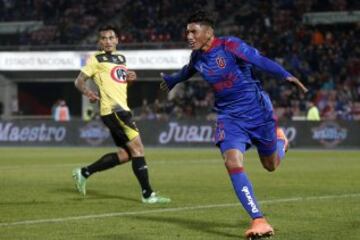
[[179, 209]]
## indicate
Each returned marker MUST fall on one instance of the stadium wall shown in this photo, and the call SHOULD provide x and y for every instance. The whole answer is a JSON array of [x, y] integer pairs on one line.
[[192, 133]]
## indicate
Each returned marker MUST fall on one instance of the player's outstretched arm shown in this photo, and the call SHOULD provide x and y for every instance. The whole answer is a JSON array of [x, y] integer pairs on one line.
[[170, 80], [80, 84], [252, 55], [297, 82]]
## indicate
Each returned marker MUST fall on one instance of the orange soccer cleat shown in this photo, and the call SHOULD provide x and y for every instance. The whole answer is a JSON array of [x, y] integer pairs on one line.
[[281, 135], [259, 228]]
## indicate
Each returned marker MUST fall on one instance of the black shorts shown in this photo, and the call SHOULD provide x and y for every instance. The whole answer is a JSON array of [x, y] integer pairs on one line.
[[121, 126]]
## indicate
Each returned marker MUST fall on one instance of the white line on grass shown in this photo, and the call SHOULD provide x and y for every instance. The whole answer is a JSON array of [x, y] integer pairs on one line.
[[178, 209]]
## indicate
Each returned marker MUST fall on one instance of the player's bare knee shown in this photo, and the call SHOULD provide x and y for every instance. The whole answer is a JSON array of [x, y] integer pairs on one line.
[[270, 167], [233, 159], [231, 163], [269, 162], [136, 148], [137, 151], [123, 155]]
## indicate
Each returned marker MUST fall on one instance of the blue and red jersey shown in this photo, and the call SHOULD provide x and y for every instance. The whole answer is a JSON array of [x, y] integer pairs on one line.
[[228, 67]]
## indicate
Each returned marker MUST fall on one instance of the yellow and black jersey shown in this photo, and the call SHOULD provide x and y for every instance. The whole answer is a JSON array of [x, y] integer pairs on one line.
[[108, 70]]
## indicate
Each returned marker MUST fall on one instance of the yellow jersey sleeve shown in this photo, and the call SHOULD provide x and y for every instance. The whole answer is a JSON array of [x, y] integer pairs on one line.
[[90, 69]]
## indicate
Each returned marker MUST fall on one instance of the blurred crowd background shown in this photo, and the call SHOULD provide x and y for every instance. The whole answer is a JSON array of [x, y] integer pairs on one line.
[[325, 57]]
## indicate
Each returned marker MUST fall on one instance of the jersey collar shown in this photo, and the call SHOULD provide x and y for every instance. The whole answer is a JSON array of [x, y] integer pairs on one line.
[[215, 43]]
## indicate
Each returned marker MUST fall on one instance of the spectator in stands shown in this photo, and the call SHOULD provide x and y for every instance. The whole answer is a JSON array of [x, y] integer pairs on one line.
[[54, 107], [62, 113], [313, 112], [14, 105], [325, 57], [146, 111]]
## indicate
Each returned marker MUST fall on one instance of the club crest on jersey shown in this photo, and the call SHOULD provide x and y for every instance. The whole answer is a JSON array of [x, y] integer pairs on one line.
[[119, 74], [220, 62]]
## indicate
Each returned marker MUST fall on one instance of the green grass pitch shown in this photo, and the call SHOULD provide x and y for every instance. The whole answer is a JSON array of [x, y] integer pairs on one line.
[[313, 195]]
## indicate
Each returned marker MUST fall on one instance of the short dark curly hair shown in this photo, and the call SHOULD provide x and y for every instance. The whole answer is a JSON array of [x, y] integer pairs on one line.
[[109, 28], [202, 17]]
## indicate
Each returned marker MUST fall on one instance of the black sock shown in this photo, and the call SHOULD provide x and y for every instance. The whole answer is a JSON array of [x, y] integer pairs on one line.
[[107, 161], [141, 172]]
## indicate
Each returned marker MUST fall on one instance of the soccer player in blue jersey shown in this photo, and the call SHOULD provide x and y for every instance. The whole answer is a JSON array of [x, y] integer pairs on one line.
[[244, 111]]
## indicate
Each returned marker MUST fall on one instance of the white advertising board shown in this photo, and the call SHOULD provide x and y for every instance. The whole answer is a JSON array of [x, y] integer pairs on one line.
[[65, 61]]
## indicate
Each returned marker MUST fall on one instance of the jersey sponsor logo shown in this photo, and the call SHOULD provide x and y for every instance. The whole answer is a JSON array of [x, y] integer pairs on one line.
[[221, 62], [220, 136], [119, 73], [220, 132], [227, 82], [111, 58]]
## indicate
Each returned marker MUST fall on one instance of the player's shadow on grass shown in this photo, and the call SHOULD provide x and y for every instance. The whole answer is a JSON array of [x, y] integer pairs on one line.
[[212, 227], [24, 203], [114, 236], [96, 195], [101, 195]]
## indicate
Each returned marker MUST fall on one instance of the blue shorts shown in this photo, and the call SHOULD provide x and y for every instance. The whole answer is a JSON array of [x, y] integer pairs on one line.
[[232, 133]]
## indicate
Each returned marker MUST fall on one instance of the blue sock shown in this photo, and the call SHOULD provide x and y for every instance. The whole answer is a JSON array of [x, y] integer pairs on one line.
[[245, 192], [280, 148]]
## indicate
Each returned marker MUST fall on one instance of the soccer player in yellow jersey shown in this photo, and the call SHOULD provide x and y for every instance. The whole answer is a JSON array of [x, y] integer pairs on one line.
[[107, 68]]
